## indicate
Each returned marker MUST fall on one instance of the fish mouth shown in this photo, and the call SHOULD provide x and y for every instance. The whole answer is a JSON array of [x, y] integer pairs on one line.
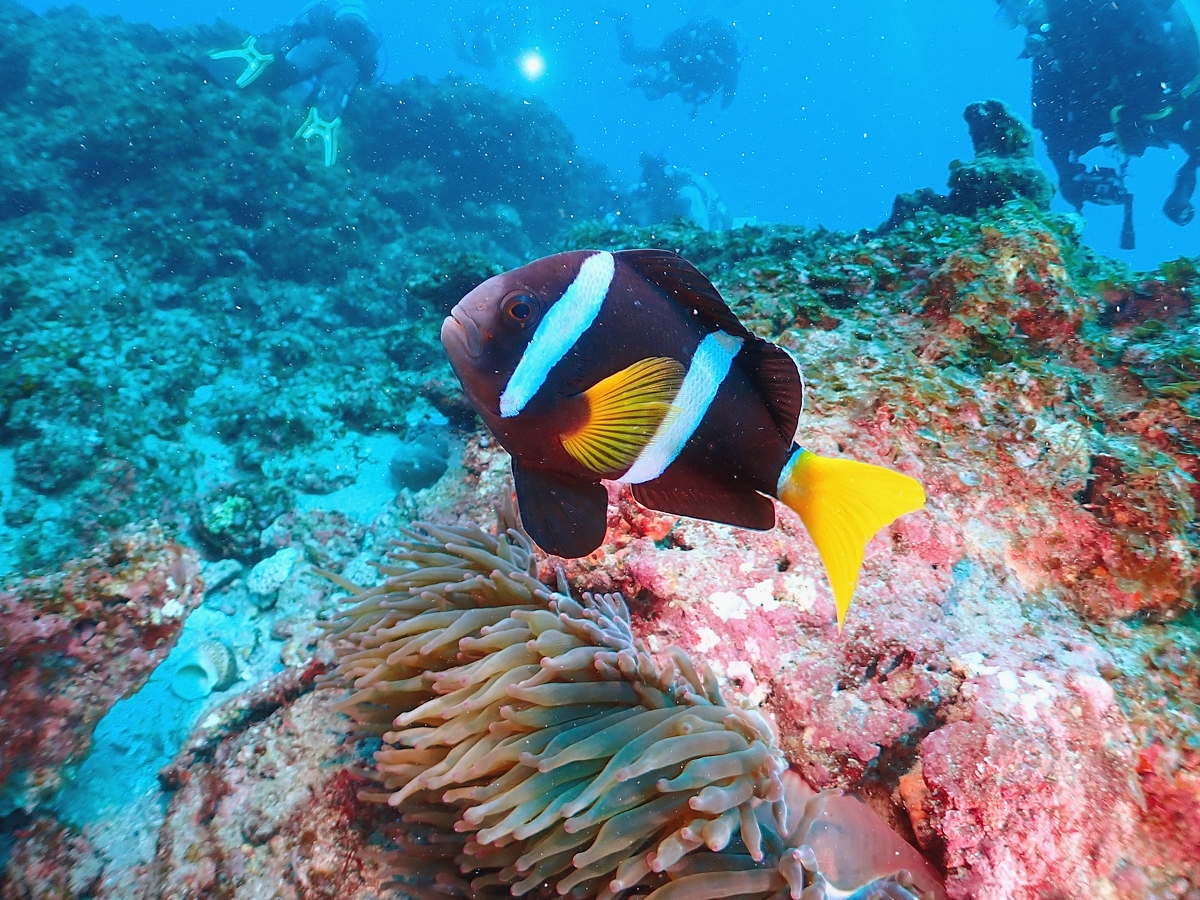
[[461, 327]]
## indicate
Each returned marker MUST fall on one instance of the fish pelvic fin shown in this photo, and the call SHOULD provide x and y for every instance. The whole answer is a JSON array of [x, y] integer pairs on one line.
[[565, 516], [843, 504], [624, 411]]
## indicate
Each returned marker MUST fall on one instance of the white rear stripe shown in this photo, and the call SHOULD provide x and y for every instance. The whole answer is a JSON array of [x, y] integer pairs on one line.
[[557, 333], [710, 365]]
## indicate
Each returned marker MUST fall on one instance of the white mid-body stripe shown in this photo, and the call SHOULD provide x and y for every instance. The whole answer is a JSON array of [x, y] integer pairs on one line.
[[710, 365], [558, 331]]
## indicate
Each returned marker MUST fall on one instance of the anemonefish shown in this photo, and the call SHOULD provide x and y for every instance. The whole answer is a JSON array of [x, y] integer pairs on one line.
[[630, 367]]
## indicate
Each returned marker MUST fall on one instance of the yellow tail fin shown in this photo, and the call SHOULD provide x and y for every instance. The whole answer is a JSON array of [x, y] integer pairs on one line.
[[843, 504]]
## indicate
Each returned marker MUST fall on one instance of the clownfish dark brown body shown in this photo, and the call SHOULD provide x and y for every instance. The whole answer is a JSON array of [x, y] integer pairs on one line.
[[629, 366]]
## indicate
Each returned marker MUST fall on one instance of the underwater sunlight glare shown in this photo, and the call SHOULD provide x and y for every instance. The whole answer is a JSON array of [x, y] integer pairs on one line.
[[532, 64]]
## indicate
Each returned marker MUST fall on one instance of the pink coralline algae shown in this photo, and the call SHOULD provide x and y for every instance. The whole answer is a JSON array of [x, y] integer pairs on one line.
[[75, 642], [985, 695], [266, 804], [973, 711], [50, 861], [1096, 476], [1034, 788]]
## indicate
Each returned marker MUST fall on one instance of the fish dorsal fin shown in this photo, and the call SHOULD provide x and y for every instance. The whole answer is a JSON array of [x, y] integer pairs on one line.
[[777, 378], [686, 285], [770, 368], [624, 411]]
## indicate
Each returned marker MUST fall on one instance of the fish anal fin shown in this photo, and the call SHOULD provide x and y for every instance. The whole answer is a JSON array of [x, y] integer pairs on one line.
[[623, 412], [565, 516], [744, 509], [843, 504]]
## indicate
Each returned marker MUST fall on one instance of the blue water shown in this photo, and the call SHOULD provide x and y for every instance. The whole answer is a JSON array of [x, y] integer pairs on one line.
[[840, 105]]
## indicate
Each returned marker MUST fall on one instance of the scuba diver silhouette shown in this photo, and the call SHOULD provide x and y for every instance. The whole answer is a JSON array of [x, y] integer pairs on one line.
[[326, 52], [1122, 75], [695, 61], [666, 192], [490, 36]]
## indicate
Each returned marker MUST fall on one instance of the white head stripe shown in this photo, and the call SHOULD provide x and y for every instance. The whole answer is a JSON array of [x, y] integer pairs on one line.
[[710, 365], [557, 333]]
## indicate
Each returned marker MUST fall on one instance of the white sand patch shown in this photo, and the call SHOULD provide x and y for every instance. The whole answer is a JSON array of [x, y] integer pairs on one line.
[[372, 491]]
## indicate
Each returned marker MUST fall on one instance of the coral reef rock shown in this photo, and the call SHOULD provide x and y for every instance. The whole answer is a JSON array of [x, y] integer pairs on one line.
[[1014, 682], [264, 804], [269, 575], [195, 308], [75, 642], [48, 860], [1004, 169], [209, 327]]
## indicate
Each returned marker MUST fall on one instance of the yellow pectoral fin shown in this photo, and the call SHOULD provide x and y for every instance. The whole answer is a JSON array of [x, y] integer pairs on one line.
[[843, 504], [623, 412]]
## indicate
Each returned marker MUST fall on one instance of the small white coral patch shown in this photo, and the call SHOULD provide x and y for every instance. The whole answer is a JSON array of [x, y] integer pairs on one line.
[[728, 605], [270, 574], [762, 595], [708, 640], [360, 571]]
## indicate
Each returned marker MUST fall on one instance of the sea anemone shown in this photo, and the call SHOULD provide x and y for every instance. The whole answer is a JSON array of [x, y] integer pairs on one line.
[[534, 747]]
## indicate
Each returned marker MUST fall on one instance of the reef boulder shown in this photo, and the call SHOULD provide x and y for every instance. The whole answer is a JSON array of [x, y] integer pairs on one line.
[[74, 642], [1013, 682], [1004, 169]]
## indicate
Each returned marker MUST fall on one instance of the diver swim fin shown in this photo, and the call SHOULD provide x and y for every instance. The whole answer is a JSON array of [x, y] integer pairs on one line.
[[1128, 241], [315, 126], [843, 503], [256, 61]]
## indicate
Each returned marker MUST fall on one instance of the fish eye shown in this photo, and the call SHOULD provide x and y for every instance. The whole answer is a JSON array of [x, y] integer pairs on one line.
[[520, 309]]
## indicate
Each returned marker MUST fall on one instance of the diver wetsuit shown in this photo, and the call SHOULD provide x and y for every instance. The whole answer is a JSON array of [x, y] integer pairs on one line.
[[330, 45], [1114, 74], [695, 62]]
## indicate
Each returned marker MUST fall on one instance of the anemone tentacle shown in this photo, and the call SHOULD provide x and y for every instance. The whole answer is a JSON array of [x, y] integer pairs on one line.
[[535, 744]]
